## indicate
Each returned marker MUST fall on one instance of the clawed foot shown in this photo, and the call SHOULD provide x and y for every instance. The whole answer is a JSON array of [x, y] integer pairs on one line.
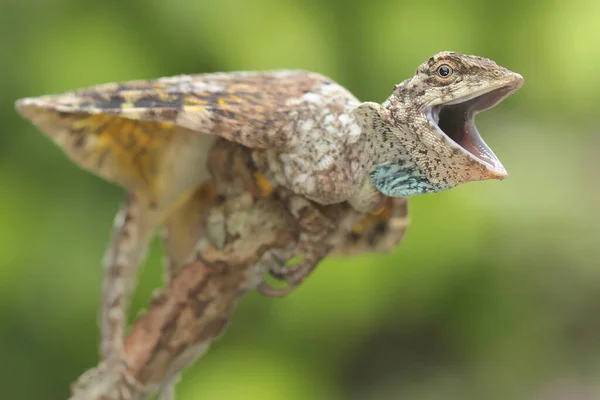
[[292, 271]]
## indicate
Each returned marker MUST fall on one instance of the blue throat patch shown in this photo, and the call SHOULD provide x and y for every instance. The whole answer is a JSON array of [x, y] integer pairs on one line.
[[401, 179]]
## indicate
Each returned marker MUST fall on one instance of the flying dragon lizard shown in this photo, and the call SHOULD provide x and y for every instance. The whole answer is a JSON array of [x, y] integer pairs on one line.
[[302, 135]]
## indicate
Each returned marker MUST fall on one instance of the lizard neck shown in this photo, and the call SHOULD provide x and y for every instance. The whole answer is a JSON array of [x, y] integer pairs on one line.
[[394, 170], [366, 199], [385, 151]]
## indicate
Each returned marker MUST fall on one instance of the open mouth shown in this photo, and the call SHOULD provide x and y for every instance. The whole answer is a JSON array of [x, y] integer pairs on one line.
[[456, 120]]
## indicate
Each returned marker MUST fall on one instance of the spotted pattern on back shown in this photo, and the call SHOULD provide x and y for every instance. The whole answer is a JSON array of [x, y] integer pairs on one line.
[[299, 122]]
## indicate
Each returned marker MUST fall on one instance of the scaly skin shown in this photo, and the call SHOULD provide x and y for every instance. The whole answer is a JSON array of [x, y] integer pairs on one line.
[[410, 154], [310, 138]]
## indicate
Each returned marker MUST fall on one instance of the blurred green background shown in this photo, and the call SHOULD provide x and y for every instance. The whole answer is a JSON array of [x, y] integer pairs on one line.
[[495, 292]]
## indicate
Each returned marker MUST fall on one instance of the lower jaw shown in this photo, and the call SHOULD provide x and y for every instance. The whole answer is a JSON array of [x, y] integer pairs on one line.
[[402, 179]]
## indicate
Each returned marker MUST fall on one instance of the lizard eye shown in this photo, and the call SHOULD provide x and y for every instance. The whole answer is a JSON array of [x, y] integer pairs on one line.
[[444, 71]]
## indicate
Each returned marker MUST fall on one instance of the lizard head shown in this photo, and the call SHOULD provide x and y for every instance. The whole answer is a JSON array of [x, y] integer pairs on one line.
[[423, 137]]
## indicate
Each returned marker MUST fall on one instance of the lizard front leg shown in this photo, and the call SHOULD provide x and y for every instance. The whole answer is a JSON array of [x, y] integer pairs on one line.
[[314, 243], [336, 229], [307, 257]]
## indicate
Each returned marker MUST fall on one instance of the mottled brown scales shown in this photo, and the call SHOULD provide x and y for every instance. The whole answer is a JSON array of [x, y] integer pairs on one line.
[[270, 111], [256, 170]]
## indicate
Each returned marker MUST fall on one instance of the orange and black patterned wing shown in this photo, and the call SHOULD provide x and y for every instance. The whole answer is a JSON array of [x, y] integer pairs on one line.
[[244, 107], [142, 134]]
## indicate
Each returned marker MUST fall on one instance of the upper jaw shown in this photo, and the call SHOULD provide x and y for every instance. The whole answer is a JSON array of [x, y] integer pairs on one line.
[[512, 84], [455, 120]]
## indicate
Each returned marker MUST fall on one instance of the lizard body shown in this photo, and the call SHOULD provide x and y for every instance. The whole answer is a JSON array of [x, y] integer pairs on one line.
[[310, 137]]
